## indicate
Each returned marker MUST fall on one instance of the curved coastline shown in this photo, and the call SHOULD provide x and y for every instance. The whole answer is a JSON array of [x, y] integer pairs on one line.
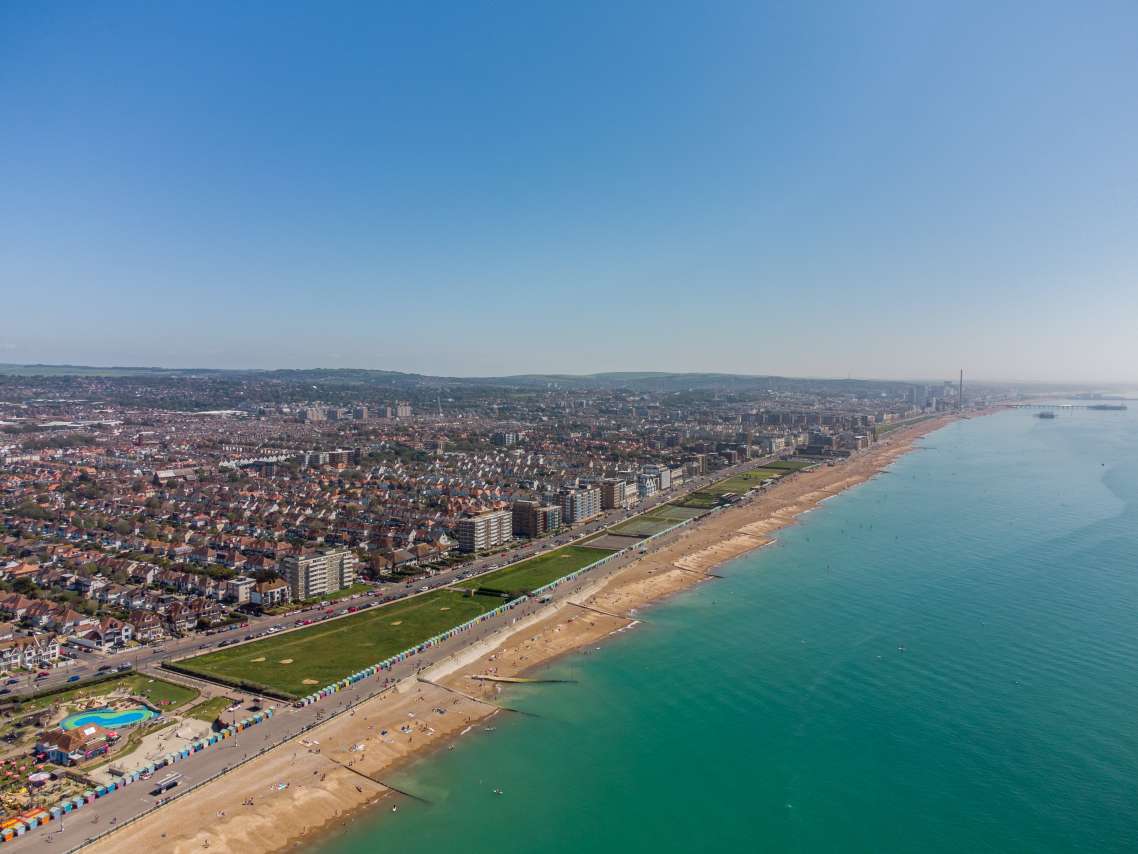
[[338, 779]]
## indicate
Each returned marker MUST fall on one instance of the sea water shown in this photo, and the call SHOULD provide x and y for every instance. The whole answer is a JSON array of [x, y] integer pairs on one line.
[[943, 659]]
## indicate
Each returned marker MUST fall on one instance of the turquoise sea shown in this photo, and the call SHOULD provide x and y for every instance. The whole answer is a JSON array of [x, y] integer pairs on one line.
[[776, 711]]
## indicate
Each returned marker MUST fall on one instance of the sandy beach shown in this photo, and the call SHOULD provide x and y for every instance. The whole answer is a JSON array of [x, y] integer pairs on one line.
[[312, 785]]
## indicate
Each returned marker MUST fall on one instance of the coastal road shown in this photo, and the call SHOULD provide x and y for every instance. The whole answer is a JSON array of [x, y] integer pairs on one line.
[[87, 664], [287, 723]]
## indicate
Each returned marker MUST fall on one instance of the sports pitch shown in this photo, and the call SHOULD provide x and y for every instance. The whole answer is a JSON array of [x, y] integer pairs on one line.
[[299, 662]]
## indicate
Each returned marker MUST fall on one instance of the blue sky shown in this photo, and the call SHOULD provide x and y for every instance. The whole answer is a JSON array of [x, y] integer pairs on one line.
[[876, 189]]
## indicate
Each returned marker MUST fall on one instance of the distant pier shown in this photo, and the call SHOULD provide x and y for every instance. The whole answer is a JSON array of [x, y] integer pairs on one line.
[[1107, 407]]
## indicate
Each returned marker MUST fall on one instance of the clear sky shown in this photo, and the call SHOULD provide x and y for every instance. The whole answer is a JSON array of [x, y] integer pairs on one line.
[[876, 189]]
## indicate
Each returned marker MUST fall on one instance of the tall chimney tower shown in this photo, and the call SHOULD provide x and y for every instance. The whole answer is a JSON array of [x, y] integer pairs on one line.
[[960, 391]]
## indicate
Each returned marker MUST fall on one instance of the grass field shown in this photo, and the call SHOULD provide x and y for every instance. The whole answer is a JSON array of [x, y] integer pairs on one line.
[[301, 661], [209, 710], [537, 571], [738, 484], [655, 520], [697, 501], [790, 465], [747, 480]]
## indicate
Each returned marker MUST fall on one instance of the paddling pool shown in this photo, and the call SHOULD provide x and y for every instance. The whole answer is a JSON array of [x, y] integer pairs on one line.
[[108, 718]]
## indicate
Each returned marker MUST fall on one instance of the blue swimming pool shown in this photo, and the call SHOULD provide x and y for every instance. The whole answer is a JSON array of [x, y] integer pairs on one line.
[[109, 718]]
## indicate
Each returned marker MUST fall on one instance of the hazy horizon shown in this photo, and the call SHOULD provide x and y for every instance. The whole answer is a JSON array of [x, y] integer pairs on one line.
[[1079, 384], [885, 191]]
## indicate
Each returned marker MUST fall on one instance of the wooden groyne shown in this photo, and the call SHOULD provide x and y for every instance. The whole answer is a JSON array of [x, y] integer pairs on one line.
[[474, 699], [520, 680], [379, 782], [604, 613]]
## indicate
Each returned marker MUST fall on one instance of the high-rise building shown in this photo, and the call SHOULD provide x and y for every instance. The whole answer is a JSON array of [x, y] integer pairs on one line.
[[534, 519], [318, 574], [614, 493], [402, 409], [485, 531], [312, 413], [663, 475], [580, 503]]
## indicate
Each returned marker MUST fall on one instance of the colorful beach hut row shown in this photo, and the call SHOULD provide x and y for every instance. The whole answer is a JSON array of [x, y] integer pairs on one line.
[[388, 663], [16, 827]]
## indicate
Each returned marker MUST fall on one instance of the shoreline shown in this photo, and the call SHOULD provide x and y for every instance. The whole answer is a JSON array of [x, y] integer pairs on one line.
[[334, 773]]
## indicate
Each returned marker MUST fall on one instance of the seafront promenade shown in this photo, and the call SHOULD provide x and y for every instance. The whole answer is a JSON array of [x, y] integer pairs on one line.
[[118, 807], [319, 760]]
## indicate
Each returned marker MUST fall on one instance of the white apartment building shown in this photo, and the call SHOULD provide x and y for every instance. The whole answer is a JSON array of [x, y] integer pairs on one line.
[[580, 504], [485, 531], [325, 572]]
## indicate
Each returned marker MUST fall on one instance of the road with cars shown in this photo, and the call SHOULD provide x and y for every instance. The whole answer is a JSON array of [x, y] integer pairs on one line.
[[289, 722], [84, 664]]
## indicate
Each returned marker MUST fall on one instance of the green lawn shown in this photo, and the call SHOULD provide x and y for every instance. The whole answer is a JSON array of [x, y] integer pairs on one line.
[[537, 571], [790, 465], [641, 526], [709, 496], [747, 480], [697, 501], [655, 520], [164, 695], [209, 710], [301, 661]]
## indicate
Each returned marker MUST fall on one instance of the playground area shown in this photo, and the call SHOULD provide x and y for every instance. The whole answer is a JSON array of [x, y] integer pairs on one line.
[[136, 708]]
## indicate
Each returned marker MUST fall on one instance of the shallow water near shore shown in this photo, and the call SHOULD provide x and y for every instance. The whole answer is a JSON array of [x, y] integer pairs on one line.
[[941, 659]]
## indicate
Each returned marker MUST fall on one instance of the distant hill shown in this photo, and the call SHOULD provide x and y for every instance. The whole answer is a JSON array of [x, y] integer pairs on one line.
[[646, 381]]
